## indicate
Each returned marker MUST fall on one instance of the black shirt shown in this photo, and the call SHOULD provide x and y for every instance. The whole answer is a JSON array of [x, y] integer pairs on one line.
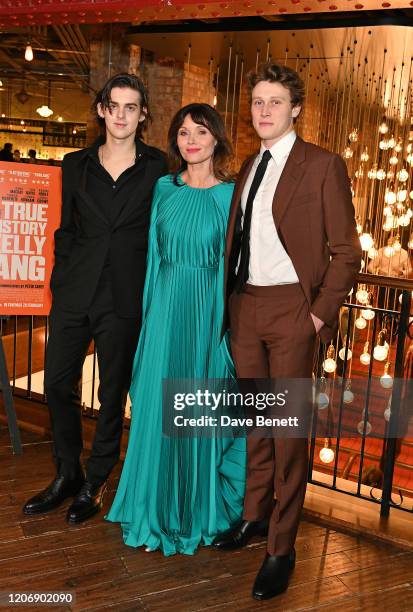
[[110, 195]]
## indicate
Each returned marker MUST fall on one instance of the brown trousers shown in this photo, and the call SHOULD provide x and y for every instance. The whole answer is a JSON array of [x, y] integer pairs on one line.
[[273, 336]]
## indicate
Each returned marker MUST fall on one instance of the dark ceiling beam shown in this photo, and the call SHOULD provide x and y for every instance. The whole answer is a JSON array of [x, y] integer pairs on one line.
[[402, 17], [76, 45], [20, 68], [66, 42]]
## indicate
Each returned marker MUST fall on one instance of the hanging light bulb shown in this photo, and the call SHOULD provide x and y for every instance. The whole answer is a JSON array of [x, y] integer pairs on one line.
[[391, 142], [28, 54], [388, 251], [372, 253], [386, 380], [362, 295], [364, 156], [388, 210], [387, 412], [409, 159], [409, 148], [354, 135], [322, 400], [326, 453], [359, 227], [348, 153], [384, 144], [402, 195], [401, 297], [360, 323], [390, 198], [398, 147], [348, 395], [393, 161], [403, 175], [342, 351], [60, 119], [390, 174], [365, 356], [404, 221], [367, 314], [380, 175], [384, 128], [390, 223], [397, 245], [381, 350], [372, 174], [360, 428], [359, 173], [366, 241], [409, 213], [330, 364]]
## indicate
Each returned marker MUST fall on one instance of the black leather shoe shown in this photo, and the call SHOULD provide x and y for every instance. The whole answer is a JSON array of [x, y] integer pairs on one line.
[[55, 494], [272, 579], [241, 535], [87, 503]]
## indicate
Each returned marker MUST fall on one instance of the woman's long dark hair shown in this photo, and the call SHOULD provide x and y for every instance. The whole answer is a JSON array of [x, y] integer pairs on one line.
[[206, 115]]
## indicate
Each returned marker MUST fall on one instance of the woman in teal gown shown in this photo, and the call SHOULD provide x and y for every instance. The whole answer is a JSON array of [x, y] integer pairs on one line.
[[176, 493]]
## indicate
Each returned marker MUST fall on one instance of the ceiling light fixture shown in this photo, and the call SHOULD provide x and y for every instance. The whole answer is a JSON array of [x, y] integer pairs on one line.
[[28, 54]]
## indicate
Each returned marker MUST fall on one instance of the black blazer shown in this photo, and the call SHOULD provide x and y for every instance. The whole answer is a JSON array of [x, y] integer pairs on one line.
[[86, 236]]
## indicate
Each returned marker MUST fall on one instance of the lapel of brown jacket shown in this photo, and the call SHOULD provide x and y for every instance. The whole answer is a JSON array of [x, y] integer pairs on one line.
[[289, 180]]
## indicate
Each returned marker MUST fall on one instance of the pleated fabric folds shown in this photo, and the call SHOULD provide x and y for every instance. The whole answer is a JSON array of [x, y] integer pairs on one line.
[[176, 493]]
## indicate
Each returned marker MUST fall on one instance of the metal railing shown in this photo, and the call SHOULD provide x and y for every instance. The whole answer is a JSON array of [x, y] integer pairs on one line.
[[25, 342]]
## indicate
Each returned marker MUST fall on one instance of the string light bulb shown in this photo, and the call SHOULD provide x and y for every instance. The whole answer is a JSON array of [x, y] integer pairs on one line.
[[368, 314], [342, 351], [362, 295], [390, 198], [403, 175], [366, 241], [364, 156], [330, 364], [28, 53], [348, 395], [365, 356], [326, 453], [381, 350], [386, 380], [360, 323]]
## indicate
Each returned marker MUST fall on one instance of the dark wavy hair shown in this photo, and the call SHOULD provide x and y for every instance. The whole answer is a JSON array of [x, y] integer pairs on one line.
[[124, 80], [206, 115], [275, 73]]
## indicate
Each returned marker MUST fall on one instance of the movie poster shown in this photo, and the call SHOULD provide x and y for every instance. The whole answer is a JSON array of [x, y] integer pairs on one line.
[[30, 204]]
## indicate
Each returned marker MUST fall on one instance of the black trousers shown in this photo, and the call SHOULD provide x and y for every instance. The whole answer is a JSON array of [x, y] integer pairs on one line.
[[115, 341]]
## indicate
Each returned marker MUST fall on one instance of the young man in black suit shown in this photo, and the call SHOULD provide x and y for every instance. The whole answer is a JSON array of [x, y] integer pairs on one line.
[[97, 285]]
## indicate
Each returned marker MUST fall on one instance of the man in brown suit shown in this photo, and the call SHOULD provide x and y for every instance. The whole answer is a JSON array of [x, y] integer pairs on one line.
[[292, 254]]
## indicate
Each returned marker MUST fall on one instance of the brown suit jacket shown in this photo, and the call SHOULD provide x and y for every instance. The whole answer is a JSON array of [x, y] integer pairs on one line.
[[314, 217]]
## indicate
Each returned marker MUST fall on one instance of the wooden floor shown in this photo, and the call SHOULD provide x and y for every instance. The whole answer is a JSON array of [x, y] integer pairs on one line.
[[334, 570]]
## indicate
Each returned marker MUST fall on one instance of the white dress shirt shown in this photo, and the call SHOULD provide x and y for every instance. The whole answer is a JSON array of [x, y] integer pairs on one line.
[[269, 263]]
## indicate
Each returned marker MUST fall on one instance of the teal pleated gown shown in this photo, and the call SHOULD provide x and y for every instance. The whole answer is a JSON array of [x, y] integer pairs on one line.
[[176, 493]]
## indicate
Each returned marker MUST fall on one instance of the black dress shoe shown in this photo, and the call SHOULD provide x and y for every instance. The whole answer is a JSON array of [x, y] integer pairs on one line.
[[55, 494], [87, 503], [272, 579], [241, 535]]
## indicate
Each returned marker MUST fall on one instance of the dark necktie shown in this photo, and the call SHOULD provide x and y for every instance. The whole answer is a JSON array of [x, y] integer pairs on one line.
[[243, 268]]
